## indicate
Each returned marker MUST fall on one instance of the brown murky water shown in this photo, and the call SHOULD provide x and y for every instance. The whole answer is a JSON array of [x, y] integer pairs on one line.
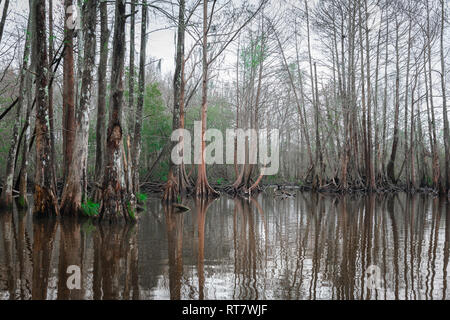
[[309, 247]]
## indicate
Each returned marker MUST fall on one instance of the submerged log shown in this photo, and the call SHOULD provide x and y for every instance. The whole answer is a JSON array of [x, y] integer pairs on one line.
[[180, 207]]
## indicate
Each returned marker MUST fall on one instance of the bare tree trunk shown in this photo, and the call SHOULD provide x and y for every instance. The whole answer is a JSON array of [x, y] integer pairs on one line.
[[436, 169], [391, 164], [101, 98], [129, 171], [406, 103], [23, 176], [236, 168], [131, 71], [319, 165], [50, 88], [363, 100], [247, 185], [412, 173], [444, 103], [370, 169], [116, 203], [6, 195], [75, 186], [2, 22], [175, 184], [45, 201], [203, 189], [140, 103], [383, 139], [314, 168], [421, 152], [430, 131], [377, 150], [68, 122]]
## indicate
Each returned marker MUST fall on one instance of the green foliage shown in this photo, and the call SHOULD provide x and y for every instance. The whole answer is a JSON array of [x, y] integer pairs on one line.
[[90, 208], [21, 201], [220, 116], [131, 211], [157, 122], [141, 197], [162, 172], [220, 181], [252, 55], [156, 129], [272, 179]]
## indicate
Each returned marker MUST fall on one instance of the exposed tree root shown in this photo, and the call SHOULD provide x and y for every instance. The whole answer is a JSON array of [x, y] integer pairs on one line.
[[203, 189], [178, 184], [171, 189], [45, 202], [114, 208]]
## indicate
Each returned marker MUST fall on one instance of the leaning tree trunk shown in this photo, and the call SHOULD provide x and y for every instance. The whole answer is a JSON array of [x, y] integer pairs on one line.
[[140, 103], [203, 189], [75, 186], [116, 203], [101, 98], [45, 201], [6, 196]]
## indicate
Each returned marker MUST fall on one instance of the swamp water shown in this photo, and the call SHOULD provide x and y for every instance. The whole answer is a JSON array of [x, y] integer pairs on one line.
[[312, 246]]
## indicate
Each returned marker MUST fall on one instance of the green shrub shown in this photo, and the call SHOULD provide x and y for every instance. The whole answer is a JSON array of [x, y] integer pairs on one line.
[[90, 208], [141, 197]]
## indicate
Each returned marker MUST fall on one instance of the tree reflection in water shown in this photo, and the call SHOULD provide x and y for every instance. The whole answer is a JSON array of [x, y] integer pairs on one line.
[[312, 246], [115, 274], [43, 237], [174, 226]]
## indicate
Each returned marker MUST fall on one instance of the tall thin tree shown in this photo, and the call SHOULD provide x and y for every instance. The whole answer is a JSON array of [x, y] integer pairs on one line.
[[116, 202], [45, 201]]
